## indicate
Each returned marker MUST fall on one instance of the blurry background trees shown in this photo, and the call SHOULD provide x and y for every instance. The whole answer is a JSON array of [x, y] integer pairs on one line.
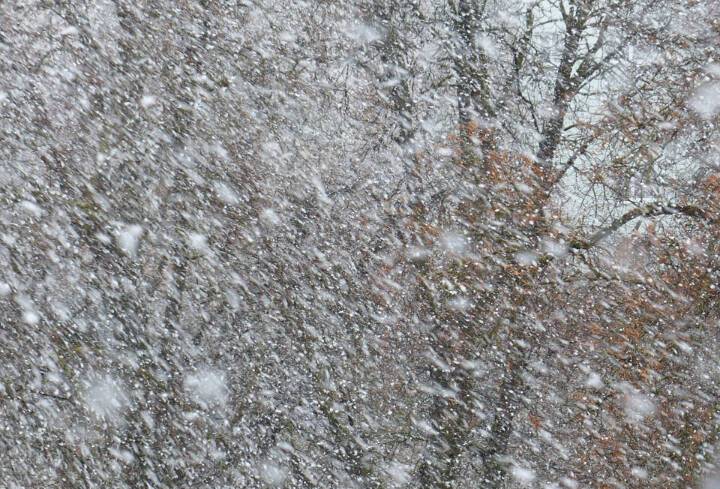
[[359, 244]]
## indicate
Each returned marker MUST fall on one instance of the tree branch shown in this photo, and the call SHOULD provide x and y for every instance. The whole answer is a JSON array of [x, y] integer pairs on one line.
[[570, 163], [649, 210]]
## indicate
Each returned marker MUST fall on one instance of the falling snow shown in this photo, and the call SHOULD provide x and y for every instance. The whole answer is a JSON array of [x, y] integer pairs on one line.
[[363, 244]]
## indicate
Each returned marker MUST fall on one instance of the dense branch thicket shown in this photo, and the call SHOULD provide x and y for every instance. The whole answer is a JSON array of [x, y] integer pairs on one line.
[[363, 244]]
